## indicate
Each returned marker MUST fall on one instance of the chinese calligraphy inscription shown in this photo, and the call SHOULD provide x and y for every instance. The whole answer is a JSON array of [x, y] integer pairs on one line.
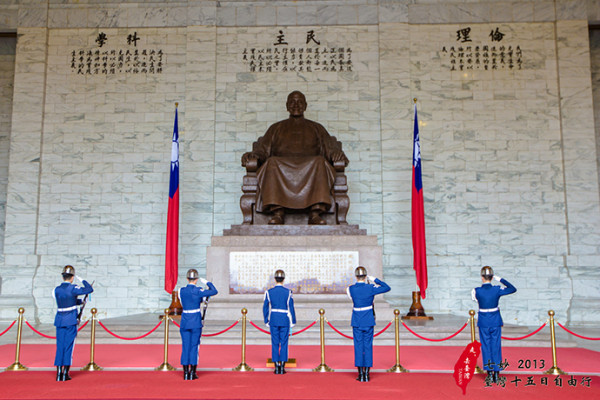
[[129, 60], [306, 57], [468, 55]]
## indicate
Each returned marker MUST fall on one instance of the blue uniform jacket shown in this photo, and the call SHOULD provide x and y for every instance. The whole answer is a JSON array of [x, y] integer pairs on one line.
[[362, 295], [487, 295], [66, 299], [279, 298], [191, 298]]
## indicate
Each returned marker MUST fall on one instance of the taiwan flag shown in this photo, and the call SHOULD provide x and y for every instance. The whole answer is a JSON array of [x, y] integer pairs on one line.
[[418, 214], [171, 261]]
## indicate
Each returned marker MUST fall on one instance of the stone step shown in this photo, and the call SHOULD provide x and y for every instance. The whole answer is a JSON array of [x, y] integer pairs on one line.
[[336, 308], [10, 304]]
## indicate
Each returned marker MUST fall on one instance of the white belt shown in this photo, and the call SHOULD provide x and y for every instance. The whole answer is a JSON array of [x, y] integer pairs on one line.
[[279, 310], [67, 309], [363, 308], [488, 309], [197, 310]]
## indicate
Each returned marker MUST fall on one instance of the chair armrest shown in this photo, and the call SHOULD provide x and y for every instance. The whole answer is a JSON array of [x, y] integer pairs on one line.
[[252, 165], [339, 166]]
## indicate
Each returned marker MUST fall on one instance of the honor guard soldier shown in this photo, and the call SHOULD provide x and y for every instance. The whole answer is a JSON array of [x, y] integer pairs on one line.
[[489, 320], [66, 320], [192, 321], [362, 294], [280, 317]]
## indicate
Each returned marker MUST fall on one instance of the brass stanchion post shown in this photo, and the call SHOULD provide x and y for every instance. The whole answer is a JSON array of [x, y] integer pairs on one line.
[[554, 370], [322, 367], [92, 366], [478, 369], [243, 366], [397, 368], [165, 366], [17, 366]]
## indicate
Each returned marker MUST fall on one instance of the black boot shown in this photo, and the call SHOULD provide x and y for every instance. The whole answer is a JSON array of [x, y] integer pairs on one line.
[[186, 372], [66, 376], [360, 374], [276, 369], [496, 376], [59, 375], [282, 367], [490, 377], [366, 376], [193, 374]]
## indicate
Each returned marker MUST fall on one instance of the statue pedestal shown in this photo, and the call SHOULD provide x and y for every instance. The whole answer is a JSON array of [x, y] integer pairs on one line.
[[318, 269]]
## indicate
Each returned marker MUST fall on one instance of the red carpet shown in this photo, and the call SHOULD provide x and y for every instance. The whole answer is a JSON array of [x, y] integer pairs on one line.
[[414, 358], [294, 385]]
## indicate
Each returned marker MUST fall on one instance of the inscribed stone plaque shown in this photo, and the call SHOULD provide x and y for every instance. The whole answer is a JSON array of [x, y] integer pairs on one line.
[[314, 272]]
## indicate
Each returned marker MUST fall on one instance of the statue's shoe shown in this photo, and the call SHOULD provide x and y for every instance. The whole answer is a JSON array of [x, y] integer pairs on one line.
[[276, 220], [316, 220]]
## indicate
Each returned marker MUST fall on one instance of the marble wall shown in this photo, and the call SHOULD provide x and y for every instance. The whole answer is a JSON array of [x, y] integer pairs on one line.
[[595, 64], [7, 71], [509, 154]]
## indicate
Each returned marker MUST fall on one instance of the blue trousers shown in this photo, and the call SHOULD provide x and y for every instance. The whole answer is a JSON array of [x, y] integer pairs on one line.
[[491, 348], [65, 340], [190, 340], [363, 346], [279, 343]]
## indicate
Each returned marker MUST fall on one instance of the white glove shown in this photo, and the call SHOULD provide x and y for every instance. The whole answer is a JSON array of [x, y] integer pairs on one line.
[[78, 278], [267, 324], [204, 281], [496, 277], [371, 278]]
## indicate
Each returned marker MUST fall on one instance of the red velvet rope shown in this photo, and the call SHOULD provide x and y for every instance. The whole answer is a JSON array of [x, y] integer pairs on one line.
[[383, 330], [268, 333], [211, 334], [350, 337], [83, 326], [302, 330], [342, 334], [8, 329], [435, 340], [528, 335], [125, 338], [38, 332], [559, 324], [259, 328], [223, 331], [43, 334]]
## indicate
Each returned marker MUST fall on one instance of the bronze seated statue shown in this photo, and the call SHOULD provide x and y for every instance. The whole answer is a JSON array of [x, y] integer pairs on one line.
[[295, 168]]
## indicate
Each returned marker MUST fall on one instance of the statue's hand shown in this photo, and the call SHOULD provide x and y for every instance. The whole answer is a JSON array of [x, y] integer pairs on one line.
[[339, 156], [247, 157]]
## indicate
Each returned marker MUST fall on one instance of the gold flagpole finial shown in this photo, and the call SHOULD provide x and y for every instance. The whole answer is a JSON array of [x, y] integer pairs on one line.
[[415, 100], [177, 104]]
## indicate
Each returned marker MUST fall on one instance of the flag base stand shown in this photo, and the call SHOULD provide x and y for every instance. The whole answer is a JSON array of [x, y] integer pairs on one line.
[[175, 308], [416, 312]]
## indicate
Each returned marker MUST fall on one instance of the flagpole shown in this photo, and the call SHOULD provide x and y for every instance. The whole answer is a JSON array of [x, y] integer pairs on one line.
[[172, 241], [416, 311]]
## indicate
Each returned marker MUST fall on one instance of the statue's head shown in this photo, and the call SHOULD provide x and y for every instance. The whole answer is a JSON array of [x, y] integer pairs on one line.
[[296, 104]]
